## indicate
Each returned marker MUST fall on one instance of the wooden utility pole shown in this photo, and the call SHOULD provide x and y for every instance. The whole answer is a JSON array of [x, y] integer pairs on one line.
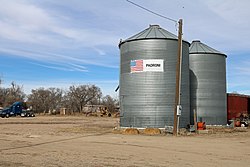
[[195, 121], [178, 79]]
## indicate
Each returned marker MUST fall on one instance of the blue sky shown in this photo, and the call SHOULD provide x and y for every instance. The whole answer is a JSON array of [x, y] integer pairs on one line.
[[58, 43]]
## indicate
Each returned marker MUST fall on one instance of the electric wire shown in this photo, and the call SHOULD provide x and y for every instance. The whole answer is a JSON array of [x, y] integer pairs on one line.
[[170, 19]]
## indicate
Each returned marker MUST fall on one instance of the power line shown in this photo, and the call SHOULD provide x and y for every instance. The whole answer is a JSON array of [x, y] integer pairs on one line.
[[152, 11]]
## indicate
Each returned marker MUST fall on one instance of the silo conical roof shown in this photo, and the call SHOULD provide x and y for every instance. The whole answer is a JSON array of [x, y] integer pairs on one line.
[[153, 32], [197, 47]]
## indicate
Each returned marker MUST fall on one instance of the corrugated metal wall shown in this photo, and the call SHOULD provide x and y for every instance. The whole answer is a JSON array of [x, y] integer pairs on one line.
[[236, 105], [147, 98]]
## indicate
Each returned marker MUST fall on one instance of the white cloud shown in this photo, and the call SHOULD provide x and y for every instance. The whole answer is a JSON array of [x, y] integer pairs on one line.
[[24, 23], [19, 12], [64, 67], [58, 58], [48, 34], [230, 10], [223, 24]]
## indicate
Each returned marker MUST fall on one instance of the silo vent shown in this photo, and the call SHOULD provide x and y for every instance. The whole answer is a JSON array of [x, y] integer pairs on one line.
[[196, 41], [154, 25]]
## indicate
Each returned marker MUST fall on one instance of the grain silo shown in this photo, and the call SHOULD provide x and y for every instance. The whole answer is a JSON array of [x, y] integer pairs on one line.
[[207, 84], [148, 79]]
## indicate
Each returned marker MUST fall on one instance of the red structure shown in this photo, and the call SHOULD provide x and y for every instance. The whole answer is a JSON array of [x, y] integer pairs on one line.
[[237, 104]]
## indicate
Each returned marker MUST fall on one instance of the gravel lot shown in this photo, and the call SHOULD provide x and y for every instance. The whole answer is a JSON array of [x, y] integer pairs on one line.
[[54, 141]]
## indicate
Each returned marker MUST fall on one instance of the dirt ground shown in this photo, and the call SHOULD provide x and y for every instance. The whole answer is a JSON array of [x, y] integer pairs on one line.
[[79, 141]]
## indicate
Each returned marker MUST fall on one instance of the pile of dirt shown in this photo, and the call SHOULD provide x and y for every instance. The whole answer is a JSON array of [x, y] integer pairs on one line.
[[152, 131], [131, 131]]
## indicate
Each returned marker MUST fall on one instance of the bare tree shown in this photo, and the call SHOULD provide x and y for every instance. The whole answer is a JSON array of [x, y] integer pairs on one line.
[[79, 96], [38, 99], [110, 103], [55, 98], [2, 96], [45, 100], [11, 95]]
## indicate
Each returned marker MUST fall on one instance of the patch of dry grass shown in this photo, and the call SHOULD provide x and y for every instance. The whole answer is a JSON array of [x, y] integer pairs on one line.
[[131, 131], [152, 131]]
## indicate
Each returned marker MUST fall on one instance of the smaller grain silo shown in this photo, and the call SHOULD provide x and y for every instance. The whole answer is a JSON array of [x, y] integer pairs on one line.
[[207, 84]]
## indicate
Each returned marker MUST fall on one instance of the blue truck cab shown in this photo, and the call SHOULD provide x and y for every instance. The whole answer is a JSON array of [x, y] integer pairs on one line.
[[14, 110]]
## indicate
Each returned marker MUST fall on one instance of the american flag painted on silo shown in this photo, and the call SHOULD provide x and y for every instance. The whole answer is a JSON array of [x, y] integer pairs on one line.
[[136, 66]]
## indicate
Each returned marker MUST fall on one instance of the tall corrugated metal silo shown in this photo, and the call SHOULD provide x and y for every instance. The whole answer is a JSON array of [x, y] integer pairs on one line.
[[148, 79], [207, 84]]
